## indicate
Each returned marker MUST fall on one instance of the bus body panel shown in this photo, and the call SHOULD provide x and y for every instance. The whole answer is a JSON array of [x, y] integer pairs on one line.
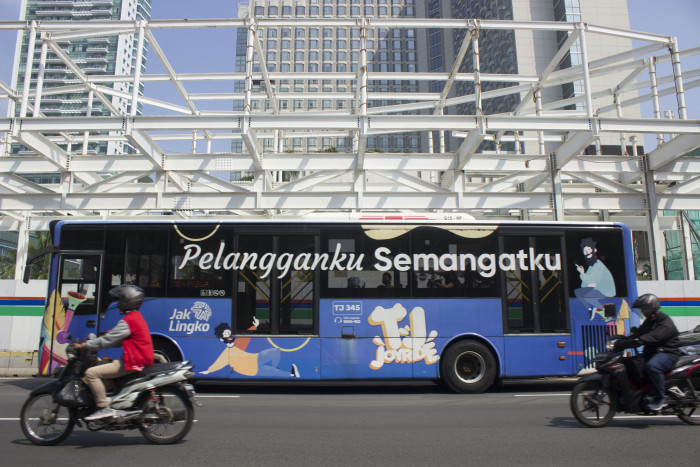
[[533, 355], [356, 336]]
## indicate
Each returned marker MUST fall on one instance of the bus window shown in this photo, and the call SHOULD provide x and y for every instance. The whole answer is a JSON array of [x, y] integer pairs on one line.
[[596, 263], [136, 257], [82, 237], [534, 300], [253, 292], [278, 294], [296, 287], [196, 268], [447, 263], [79, 276], [371, 270]]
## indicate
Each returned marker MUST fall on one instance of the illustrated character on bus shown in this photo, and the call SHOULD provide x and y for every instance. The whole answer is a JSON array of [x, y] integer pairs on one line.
[[596, 280], [263, 364]]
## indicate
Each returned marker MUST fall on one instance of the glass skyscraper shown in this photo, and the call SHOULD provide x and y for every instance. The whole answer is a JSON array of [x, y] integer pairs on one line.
[[107, 55]]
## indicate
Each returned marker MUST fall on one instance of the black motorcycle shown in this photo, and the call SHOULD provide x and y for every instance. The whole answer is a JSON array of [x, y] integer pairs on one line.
[[158, 401], [620, 385]]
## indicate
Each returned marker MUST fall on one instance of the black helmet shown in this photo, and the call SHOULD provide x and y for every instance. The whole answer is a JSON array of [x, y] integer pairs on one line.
[[130, 297], [648, 303]]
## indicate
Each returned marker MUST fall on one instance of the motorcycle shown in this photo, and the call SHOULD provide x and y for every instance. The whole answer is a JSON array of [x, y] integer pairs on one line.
[[158, 401], [620, 385]]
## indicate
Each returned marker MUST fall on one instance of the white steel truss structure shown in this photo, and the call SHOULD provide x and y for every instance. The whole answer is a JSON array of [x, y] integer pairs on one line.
[[551, 174]]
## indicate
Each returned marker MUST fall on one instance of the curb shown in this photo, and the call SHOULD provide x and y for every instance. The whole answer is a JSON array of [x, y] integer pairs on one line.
[[20, 364]]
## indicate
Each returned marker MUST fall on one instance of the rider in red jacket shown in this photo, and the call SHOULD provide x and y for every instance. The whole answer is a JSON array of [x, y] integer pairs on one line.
[[132, 333]]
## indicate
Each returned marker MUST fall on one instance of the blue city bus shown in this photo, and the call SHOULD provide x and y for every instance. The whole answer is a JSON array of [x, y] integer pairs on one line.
[[379, 298]]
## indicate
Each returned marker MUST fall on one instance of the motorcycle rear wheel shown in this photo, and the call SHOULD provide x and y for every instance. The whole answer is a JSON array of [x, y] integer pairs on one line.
[[44, 422], [691, 415], [170, 419], [591, 404]]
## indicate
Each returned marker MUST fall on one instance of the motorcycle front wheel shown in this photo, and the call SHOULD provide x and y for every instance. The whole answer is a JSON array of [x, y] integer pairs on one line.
[[591, 404], [44, 422], [167, 415]]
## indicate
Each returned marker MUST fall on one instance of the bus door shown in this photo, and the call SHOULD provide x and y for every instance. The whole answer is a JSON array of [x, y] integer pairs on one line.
[[536, 328], [78, 285], [275, 306]]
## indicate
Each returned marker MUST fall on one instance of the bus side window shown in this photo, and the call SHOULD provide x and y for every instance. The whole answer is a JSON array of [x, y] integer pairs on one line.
[[194, 271], [138, 258], [366, 276], [592, 250], [448, 265], [79, 283]]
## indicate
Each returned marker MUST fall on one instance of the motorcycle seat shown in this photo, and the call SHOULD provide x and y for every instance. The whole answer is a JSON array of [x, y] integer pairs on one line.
[[686, 360], [149, 370], [158, 367]]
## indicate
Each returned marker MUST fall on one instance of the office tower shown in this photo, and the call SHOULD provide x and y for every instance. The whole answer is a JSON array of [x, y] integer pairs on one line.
[[326, 49], [103, 55], [332, 49]]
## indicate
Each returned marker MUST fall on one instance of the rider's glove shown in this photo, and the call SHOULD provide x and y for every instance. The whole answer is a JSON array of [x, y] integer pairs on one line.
[[620, 345], [626, 343]]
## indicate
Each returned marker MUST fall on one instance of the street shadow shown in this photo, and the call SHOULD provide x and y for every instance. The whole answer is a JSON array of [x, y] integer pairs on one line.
[[373, 387], [637, 423], [84, 439], [28, 383]]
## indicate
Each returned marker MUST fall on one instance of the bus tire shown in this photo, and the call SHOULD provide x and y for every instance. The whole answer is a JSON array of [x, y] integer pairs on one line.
[[468, 367], [165, 351]]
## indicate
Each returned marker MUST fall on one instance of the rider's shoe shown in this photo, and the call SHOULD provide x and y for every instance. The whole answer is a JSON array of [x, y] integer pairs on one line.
[[657, 406], [104, 412]]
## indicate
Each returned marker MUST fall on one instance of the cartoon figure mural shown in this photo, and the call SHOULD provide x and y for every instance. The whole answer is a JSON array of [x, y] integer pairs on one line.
[[54, 332], [596, 280], [264, 364]]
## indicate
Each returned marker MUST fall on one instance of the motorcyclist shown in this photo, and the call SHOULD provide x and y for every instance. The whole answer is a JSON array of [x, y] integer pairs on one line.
[[132, 333], [658, 334]]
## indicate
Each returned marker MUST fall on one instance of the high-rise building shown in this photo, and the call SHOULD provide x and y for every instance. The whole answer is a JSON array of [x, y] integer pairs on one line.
[[103, 55], [333, 49], [502, 51]]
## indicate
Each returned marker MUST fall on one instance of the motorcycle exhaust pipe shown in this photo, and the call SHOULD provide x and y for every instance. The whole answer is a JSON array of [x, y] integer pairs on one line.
[[123, 415]]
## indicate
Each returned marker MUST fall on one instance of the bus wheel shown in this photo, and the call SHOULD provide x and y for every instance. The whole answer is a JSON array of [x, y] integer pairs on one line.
[[164, 351], [468, 367]]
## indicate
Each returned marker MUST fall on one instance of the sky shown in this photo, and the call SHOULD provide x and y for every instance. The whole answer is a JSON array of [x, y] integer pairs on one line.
[[679, 18]]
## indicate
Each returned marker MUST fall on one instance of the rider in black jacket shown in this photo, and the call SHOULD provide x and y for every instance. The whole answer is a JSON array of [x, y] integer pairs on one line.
[[658, 334]]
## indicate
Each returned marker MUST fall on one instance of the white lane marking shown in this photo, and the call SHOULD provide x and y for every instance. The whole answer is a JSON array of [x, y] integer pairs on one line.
[[541, 395], [9, 419]]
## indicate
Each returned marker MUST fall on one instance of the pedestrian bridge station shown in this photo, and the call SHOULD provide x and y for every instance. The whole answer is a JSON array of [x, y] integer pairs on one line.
[[216, 142]]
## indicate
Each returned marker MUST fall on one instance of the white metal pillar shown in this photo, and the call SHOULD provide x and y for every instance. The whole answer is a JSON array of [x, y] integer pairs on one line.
[[655, 97], [24, 103], [137, 70], [88, 113], [557, 192], [678, 79], [40, 78], [656, 236], [22, 246]]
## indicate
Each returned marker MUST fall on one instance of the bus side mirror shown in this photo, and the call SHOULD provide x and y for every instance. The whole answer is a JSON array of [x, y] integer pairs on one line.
[[27, 273], [609, 310]]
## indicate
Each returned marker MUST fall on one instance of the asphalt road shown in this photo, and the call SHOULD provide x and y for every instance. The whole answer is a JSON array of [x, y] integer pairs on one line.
[[524, 423]]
